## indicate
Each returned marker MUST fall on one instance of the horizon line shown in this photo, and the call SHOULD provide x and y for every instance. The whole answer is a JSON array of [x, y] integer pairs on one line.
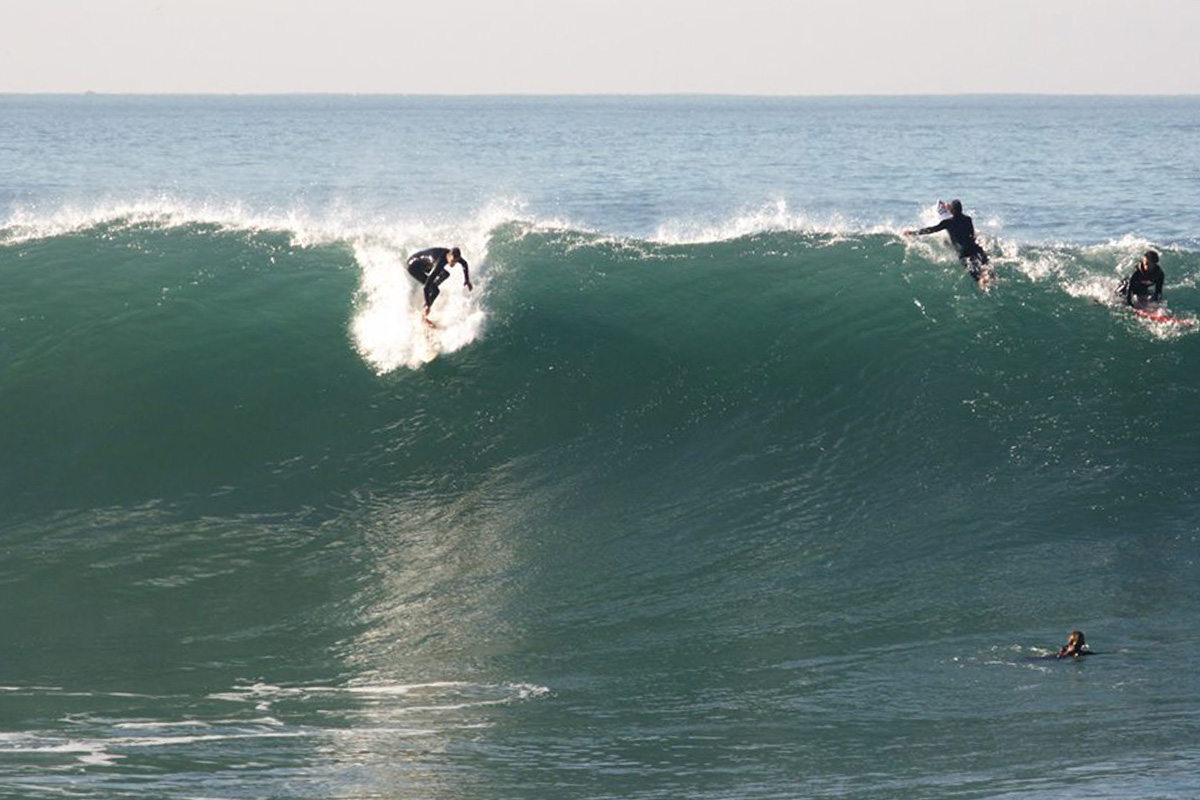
[[614, 94]]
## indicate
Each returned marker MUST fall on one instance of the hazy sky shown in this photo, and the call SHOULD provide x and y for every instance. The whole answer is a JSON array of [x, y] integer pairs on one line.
[[601, 46]]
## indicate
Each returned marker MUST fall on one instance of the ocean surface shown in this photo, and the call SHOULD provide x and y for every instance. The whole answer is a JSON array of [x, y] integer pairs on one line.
[[715, 486]]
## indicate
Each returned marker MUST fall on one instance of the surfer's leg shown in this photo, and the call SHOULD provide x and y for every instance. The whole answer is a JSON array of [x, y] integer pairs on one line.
[[976, 263], [431, 286]]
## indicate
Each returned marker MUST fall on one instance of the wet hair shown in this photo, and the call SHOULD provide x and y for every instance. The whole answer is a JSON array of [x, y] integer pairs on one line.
[[1077, 636], [454, 251], [956, 207], [1151, 256]]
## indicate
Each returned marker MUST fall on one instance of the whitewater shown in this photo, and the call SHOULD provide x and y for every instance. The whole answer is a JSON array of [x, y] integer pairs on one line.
[[715, 486]]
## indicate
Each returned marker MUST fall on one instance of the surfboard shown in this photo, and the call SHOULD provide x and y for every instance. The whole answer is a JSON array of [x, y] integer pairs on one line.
[[985, 278], [1076, 659], [1163, 316], [429, 345], [425, 336]]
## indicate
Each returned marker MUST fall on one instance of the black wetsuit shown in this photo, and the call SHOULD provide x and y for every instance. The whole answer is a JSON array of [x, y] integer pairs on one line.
[[962, 236], [1140, 283], [429, 267]]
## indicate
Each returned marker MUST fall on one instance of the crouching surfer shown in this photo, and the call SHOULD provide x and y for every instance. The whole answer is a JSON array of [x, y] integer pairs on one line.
[[961, 230], [429, 267], [1145, 285]]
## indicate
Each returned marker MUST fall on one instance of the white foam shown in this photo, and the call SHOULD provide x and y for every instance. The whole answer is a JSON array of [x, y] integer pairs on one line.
[[84, 752], [771, 217], [454, 694], [30, 223], [387, 327]]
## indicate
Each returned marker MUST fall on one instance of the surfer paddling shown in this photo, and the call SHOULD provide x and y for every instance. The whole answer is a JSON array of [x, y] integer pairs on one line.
[[430, 268], [1076, 647], [1146, 282], [962, 235]]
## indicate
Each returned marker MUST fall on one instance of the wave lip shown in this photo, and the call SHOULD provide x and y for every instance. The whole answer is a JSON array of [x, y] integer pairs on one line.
[[776, 216], [385, 329]]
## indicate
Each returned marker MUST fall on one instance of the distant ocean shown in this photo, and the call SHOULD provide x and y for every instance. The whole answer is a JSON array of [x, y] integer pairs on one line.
[[715, 487]]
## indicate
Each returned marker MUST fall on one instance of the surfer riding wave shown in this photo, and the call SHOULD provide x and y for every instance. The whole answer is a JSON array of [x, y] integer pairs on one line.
[[961, 230], [429, 267]]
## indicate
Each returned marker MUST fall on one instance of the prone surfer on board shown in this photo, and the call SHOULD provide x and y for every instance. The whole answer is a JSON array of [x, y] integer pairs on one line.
[[429, 267], [962, 235], [1148, 276], [1076, 647]]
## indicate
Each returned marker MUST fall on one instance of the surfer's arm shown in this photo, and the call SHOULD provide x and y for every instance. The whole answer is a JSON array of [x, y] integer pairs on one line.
[[941, 226], [466, 274], [1158, 284]]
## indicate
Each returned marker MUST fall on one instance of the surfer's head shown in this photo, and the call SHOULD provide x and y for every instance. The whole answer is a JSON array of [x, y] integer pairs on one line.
[[1149, 259], [956, 207], [454, 255], [1075, 643]]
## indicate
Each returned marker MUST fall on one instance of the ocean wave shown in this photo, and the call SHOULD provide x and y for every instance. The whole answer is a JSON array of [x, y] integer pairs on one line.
[[140, 316]]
